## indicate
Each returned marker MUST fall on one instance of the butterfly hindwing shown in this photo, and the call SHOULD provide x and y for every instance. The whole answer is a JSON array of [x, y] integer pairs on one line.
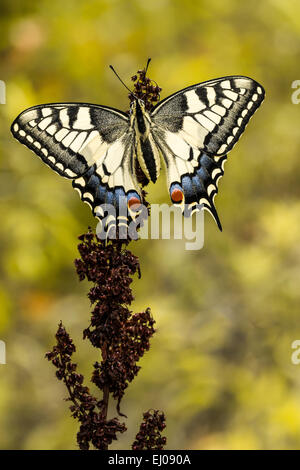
[[211, 115], [192, 175], [111, 183]]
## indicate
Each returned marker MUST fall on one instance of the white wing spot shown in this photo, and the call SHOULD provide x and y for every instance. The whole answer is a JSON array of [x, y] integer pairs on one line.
[[22, 133], [70, 172], [118, 177], [225, 84], [244, 112], [100, 171], [227, 103], [16, 127], [222, 149], [63, 116], [59, 166], [91, 147], [81, 182], [210, 189], [216, 118], [45, 123], [181, 166], [29, 138], [69, 138], [178, 145], [250, 104], [211, 95], [215, 172], [78, 141], [254, 97], [259, 90], [219, 110], [61, 134], [114, 155], [207, 123], [194, 103], [230, 139], [111, 181], [83, 120], [88, 196], [37, 144], [218, 179], [98, 210], [44, 151], [46, 112], [203, 200], [51, 129], [192, 132], [231, 94]]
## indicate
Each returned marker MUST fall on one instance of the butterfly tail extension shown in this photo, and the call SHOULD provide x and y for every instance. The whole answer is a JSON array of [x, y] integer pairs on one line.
[[197, 190], [200, 187]]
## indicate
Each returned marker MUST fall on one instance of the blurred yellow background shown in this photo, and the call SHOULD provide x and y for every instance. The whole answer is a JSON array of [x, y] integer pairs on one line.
[[220, 363]]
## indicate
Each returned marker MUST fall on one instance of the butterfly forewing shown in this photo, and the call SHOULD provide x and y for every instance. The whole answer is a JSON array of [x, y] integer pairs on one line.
[[69, 137], [210, 115]]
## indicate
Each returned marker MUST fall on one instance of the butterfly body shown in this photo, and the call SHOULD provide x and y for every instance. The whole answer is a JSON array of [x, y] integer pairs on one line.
[[189, 132], [147, 152]]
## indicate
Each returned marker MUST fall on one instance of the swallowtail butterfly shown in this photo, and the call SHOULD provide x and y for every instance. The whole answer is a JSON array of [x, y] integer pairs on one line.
[[102, 149]]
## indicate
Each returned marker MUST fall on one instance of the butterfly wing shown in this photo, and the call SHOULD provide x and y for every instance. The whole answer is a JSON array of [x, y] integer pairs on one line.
[[192, 181], [69, 137], [90, 144], [195, 128]]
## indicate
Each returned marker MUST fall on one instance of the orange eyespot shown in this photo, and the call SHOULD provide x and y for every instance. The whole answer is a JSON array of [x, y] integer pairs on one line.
[[134, 204], [177, 195]]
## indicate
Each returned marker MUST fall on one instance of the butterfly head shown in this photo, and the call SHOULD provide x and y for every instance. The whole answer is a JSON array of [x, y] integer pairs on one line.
[[145, 90], [136, 106]]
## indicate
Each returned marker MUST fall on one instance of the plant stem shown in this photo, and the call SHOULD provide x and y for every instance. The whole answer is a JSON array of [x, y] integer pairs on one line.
[[105, 398]]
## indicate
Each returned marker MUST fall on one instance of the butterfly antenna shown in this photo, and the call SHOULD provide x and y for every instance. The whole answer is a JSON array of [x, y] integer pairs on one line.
[[148, 62], [120, 79]]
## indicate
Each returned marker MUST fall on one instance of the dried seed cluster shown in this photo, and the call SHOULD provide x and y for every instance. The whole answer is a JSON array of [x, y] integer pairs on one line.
[[145, 89], [94, 427], [149, 436], [121, 336]]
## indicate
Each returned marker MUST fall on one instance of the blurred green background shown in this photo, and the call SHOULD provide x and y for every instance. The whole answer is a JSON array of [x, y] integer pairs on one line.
[[220, 363]]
